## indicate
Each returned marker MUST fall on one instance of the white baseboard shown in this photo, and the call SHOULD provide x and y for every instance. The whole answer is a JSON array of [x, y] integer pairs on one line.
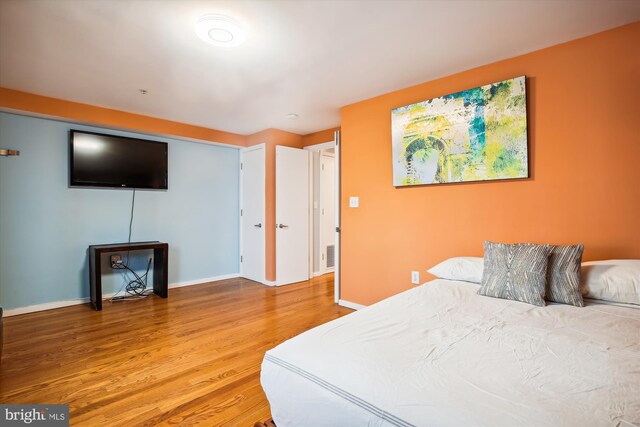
[[263, 281], [67, 303], [47, 306], [316, 274], [350, 304]]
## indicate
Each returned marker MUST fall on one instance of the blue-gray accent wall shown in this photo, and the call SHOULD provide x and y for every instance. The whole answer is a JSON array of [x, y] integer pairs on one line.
[[46, 226]]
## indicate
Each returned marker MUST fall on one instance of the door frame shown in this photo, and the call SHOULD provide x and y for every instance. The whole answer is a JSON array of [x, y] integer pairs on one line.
[[337, 165], [335, 144], [315, 148], [321, 203], [263, 208]]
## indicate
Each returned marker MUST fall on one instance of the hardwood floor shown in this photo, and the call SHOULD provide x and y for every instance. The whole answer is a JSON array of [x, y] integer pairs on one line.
[[191, 359]]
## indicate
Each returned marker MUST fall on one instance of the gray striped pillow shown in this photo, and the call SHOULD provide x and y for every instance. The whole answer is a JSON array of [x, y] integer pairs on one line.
[[563, 275], [516, 272]]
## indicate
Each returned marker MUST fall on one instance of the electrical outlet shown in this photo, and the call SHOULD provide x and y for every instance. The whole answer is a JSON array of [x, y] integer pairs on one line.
[[415, 277], [116, 259]]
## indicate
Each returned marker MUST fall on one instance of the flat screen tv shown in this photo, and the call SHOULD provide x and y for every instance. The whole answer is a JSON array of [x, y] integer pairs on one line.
[[99, 160]]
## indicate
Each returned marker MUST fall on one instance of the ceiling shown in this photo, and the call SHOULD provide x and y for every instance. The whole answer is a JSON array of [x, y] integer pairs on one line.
[[304, 57]]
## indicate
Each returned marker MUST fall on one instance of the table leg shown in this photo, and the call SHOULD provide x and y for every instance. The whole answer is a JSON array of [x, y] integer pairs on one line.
[[160, 272]]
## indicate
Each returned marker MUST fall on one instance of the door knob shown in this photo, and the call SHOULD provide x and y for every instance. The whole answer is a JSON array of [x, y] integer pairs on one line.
[[258, 225], [282, 226]]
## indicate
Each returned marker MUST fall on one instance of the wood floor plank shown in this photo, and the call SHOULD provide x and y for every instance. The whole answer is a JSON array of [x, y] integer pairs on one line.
[[190, 360]]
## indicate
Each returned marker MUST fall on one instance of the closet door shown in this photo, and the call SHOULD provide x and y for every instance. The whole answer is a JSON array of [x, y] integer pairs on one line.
[[292, 215], [252, 212]]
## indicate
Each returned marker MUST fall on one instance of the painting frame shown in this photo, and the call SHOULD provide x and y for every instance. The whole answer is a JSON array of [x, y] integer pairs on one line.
[[475, 135]]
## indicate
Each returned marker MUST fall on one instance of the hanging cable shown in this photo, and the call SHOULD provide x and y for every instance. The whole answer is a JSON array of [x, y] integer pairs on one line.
[[137, 287], [133, 203]]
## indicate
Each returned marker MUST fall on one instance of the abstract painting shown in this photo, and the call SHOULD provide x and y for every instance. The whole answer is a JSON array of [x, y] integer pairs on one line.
[[475, 135]]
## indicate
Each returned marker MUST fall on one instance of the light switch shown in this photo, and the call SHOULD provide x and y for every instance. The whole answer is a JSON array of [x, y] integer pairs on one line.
[[354, 202], [415, 277]]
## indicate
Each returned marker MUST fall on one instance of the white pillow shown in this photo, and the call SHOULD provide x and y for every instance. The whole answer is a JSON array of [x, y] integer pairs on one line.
[[465, 268], [616, 280]]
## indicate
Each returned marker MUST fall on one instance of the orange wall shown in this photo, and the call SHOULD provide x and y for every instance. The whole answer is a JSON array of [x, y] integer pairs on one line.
[[271, 138], [22, 101], [584, 149], [318, 137]]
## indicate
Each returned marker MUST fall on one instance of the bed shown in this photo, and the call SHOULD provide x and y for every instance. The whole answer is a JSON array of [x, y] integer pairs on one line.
[[442, 355]]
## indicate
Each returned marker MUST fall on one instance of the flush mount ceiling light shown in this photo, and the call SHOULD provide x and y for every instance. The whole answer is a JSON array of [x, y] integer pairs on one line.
[[220, 30], [292, 116]]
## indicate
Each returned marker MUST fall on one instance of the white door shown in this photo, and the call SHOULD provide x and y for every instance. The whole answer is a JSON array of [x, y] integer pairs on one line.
[[292, 215], [327, 213], [252, 211]]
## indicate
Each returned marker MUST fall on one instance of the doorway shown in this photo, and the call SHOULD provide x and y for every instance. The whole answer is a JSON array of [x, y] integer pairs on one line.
[[325, 223], [324, 212]]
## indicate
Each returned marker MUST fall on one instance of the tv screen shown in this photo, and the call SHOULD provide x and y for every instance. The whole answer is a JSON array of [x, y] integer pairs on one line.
[[98, 160]]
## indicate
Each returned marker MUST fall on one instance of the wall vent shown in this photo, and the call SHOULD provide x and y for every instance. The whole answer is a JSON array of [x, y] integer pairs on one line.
[[331, 256]]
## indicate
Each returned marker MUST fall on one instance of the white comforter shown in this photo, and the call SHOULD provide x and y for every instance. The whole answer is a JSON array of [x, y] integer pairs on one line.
[[441, 355]]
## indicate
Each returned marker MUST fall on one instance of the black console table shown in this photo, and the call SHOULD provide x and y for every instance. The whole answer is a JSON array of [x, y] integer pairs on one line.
[[160, 263]]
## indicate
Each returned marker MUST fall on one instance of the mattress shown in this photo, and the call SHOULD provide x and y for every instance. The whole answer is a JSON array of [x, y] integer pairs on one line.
[[441, 355]]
